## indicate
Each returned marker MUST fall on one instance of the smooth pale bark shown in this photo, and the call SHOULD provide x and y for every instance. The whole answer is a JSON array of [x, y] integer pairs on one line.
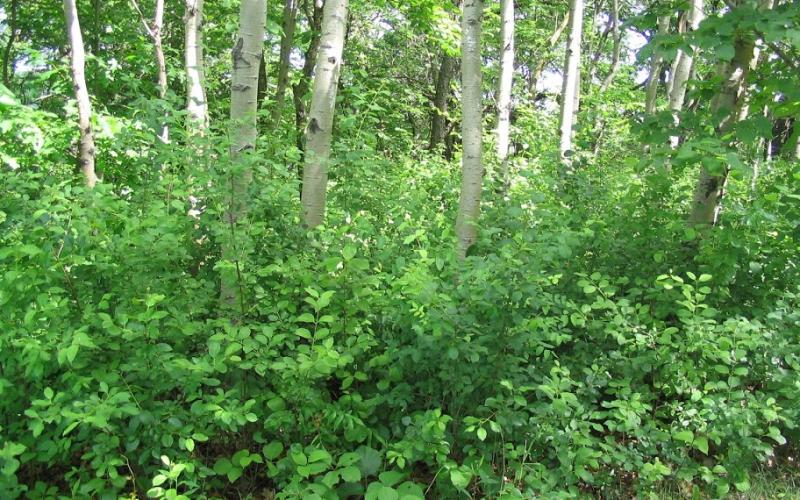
[[86, 151], [675, 62], [569, 88], [505, 86], [471, 127], [246, 57], [195, 72], [287, 40], [617, 36], [656, 63], [796, 149], [727, 102], [155, 32], [683, 68], [320, 123], [441, 101]]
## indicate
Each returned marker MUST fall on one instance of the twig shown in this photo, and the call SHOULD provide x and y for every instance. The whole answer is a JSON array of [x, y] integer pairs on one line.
[[144, 19]]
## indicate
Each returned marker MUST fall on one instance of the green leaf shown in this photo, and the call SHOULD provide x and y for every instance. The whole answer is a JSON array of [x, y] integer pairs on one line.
[[234, 474], [726, 52], [351, 474], [199, 436], [159, 480], [370, 460], [305, 318], [481, 432], [387, 493], [686, 436], [222, 466], [272, 450], [391, 477], [319, 456], [701, 443], [460, 478], [299, 458]]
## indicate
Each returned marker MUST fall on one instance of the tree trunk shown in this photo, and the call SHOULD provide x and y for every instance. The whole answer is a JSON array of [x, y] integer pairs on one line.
[[471, 127], [683, 69], [244, 108], [441, 100], [287, 41], [656, 62], [505, 87], [158, 29], [729, 99], [261, 94], [155, 32], [674, 66], [299, 90], [86, 151], [12, 37], [617, 36], [569, 89], [193, 55], [320, 124]]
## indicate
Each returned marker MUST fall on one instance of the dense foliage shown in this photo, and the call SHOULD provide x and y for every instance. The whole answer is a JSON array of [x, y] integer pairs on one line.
[[592, 343]]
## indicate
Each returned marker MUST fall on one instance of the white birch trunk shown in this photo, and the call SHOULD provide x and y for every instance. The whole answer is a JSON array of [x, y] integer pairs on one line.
[[569, 88], [320, 123], [471, 127], [683, 69], [246, 57], [86, 151], [161, 61], [155, 32], [730, 98], [506, 85], [195, 72]]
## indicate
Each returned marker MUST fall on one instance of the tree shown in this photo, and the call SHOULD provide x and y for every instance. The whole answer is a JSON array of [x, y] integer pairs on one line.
[[246, 56], [544, 57], [656, 63], [615, 53], [287, 41], [505, 86], [195, 72], [683, 68], [12, 35], [471, 127], [319, 131], [441, 99], [725, 106], [86, 150], [569, 89], [155, 32], [313, 13]]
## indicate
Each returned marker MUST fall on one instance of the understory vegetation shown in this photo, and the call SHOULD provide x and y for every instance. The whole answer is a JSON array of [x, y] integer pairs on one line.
[[590, 343]]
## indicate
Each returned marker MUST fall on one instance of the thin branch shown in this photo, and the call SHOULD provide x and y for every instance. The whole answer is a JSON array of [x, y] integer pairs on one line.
[[144, 19]]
